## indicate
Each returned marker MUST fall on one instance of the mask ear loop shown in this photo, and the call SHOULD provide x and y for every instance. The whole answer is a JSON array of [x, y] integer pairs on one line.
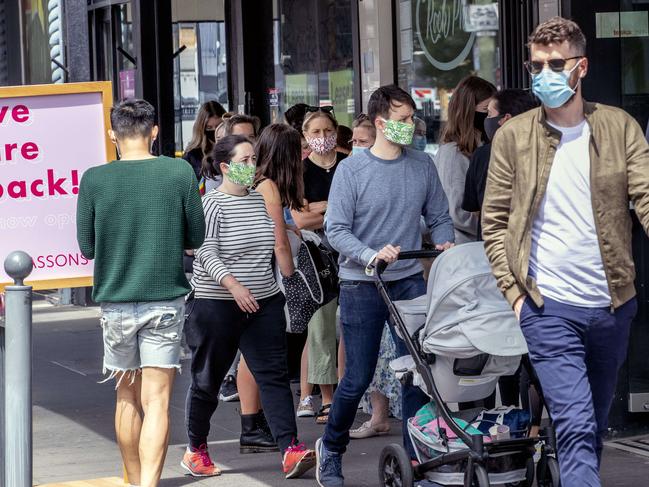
[[578, 78]]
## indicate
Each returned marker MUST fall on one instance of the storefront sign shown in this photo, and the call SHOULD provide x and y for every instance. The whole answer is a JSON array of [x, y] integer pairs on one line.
[[439, 26], [423, 95], [273, 97], [301, 88], [41, 168], [341, 90], [478, 18], [622, 24]]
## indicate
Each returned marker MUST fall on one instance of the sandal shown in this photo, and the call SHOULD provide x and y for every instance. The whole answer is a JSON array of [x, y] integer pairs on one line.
[[366, 430], [323, 415]]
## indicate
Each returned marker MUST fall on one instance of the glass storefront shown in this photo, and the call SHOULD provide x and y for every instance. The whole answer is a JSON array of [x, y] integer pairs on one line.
[[42, 31], [439, 43], [112, 53], [633, 20], [200, 72], [200, 67], [314, 56]]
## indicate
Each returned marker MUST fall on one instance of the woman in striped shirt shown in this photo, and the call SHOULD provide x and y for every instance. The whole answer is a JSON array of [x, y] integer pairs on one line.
[[238, 305]]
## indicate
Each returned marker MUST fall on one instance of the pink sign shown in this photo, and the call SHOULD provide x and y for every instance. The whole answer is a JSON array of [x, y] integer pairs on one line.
[[127, 84], [46, 143]]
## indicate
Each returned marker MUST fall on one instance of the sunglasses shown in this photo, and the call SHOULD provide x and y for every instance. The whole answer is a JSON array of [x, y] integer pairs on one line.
[[326, 109], [556, 65]]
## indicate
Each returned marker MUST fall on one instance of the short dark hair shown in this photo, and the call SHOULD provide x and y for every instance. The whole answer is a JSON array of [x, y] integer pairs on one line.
[[382, 99], [515, 102], [294, 116], [558, 30], [239, 119], [132, 118], [222, 152]]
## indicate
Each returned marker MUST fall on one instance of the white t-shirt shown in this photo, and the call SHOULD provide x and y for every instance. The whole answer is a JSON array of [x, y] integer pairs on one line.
[[565, 257]]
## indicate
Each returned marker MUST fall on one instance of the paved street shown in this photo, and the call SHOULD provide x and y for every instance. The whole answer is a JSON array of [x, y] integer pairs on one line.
[[73, 421]]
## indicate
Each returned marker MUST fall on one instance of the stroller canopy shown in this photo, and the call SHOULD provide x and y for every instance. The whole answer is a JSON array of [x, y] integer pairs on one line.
[[466, 312]]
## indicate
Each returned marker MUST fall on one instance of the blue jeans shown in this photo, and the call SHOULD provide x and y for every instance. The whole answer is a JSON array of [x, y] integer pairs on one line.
[[577, 353], [363, 314]]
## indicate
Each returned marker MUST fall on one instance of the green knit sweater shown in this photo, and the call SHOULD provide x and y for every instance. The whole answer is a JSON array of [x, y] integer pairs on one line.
[[135, 218]]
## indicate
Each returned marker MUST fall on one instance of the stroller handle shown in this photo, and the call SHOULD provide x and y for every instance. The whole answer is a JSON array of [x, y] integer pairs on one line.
[[409, 254]]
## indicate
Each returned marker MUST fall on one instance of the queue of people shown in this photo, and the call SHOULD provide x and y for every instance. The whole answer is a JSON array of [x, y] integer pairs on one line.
[[547, 188]]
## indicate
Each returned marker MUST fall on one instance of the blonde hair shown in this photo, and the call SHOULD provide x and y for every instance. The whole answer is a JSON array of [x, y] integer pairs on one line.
[[363, 121], [319, 114]]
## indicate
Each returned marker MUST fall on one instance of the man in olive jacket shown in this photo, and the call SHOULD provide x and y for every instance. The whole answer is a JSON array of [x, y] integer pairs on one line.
[[557, 230]]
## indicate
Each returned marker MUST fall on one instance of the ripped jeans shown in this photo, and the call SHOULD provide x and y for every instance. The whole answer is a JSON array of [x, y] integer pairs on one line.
[[145, 334]]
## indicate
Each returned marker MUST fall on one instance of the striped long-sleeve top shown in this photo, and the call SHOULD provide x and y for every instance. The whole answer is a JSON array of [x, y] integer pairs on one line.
[[239, 241]]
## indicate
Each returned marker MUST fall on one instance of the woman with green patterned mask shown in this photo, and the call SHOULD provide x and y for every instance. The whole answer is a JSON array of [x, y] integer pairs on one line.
[[239, 171], [237, 304]]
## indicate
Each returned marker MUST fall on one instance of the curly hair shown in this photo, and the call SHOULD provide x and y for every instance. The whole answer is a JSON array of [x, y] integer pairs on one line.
[[558, 30]]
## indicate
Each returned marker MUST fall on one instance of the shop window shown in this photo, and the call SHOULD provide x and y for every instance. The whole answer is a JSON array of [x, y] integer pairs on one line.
[[200, 72], [314, 56], [439, 43], [112, 48], [43, 45]]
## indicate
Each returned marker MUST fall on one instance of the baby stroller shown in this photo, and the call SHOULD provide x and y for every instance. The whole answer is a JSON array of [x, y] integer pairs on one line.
[[461, 336]]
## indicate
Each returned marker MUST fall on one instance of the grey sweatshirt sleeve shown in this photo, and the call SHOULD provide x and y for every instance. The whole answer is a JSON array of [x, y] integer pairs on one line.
[[340, 216], [452, 166], [436, 214]]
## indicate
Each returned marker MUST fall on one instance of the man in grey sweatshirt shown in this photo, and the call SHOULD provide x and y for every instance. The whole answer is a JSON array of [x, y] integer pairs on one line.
[[376, 203]]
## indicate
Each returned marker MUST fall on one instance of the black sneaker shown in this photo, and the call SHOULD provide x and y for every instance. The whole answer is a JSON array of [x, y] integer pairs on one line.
[[229, 392]]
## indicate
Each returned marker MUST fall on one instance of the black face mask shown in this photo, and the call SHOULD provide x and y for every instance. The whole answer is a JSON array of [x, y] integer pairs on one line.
[[491, 125], [210, 134], [478, 123]]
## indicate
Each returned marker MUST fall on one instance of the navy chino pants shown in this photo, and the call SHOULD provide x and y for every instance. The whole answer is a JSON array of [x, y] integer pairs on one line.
[[577, 353]]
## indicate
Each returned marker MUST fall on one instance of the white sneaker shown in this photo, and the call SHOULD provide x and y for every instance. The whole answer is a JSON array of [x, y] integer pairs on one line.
[[305, 408]]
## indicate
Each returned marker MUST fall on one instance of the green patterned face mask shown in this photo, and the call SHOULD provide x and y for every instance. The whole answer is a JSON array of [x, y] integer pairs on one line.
[[398, 132], [241, 173]]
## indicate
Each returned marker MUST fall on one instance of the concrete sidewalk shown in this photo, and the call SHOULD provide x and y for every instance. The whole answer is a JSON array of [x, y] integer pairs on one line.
[[74, 436]]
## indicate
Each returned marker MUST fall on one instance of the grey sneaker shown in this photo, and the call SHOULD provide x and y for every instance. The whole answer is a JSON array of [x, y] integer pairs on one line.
[[305, 409], [329, 466]]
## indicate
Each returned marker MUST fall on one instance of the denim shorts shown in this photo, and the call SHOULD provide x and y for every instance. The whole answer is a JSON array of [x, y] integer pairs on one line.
[[144, 334]]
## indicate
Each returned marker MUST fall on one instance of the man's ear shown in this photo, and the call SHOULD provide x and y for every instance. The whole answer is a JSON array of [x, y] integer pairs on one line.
[[154, 132], [583, 67], [506, 116], [379, 124], [112, 136]]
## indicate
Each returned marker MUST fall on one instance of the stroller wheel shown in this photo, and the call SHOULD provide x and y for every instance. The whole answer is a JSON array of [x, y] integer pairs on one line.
[[480, 477], [395, 469], [547, 472], [529, 476]]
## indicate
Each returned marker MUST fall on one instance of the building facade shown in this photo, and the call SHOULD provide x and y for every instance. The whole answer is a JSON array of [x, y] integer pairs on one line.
[[262, 56]]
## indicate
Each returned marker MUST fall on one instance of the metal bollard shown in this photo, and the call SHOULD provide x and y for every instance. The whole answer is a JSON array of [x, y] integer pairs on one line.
[[18, 373]]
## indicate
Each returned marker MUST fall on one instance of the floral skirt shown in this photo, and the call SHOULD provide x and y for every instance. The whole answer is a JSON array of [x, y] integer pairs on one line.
[[385, 381]]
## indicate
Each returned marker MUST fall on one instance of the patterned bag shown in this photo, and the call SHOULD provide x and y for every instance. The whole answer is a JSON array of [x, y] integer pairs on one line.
[[303, 291]]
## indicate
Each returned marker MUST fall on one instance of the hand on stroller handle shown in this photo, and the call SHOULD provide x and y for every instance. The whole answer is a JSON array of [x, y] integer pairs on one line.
[[381, 265]]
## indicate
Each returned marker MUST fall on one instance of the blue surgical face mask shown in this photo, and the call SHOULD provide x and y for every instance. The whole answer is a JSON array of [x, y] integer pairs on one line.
[[552, 88], [419, 142], [357, 149]]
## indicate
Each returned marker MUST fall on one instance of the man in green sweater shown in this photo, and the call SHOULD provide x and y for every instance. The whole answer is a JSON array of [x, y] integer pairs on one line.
[[135, 217]]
